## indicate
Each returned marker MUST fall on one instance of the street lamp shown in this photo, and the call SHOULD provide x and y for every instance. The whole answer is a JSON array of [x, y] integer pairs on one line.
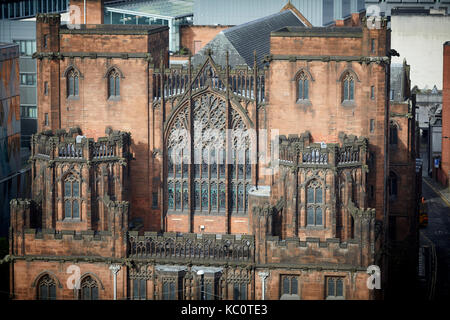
[[201, 273]]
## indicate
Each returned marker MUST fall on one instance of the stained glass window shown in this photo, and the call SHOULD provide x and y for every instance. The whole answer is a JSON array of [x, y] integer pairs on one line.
[[209, 167]]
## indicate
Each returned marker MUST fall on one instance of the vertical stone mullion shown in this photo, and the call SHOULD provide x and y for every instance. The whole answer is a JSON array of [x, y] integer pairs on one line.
[[191, 167]]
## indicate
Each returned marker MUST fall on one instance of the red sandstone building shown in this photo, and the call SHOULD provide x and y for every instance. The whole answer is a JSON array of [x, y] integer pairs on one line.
[[298, 214], [444, 173]]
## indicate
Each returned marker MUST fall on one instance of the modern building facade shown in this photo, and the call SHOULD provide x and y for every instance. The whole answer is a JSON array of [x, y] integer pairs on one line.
[[171, 13], [234, 12], [24, 34], [246, 181], [418, 38], [386, 7], [29, 8], [13, 180]]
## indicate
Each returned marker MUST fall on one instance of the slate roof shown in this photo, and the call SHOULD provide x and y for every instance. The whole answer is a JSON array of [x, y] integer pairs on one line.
[[242, 40]]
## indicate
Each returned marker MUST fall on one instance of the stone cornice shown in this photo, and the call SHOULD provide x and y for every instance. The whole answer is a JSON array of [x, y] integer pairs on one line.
[[92, 55], [324, 58]]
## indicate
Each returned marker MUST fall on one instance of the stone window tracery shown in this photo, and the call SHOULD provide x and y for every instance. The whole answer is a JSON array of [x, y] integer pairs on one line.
[[209, 180], [314, 203], [113, 83], [72, 83], [47, 288], [71, 198], [89, 289], [302, 87], [348, 87]]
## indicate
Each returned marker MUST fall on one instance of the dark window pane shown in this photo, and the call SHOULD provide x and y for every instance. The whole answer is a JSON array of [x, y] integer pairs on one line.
[[236, 291], [76, 188], [94, 293], [285, 285], [319, 195], [111, 86], [294, 285], [170, 196], [165, 291], [204, 196], [300, 89], [222, 196], [43, 292], [306, 95], [310, 195], [75, 86], [197, 195], [319, 220], [346, 90], [331, 291], [117, 91], [68, 189], [352, 87], [339, 288], [243, 291], [185, 196], [76, 209], [310, 217], [213, 196], [136, 289], [68, 209], [52, 292], [177, 195], [143, 289], [172, 291], [240, 197]]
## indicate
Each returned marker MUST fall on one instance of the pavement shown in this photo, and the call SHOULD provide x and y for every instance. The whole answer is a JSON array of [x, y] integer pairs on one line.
[[438, 232]]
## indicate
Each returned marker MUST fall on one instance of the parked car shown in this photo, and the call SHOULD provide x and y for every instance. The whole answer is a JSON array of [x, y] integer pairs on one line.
[[423, 213]]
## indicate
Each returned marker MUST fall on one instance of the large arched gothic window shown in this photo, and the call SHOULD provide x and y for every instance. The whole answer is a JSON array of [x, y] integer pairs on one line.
[[71, 197], [89, 289], [314, 204], [208, 176], [46, 288], [72, 83]]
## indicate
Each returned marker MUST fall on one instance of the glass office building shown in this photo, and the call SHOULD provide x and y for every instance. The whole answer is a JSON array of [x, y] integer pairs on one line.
[[171, 13], [29, 8]]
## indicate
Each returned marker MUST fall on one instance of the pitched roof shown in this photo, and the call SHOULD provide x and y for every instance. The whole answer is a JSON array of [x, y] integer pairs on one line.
[[242, 40]]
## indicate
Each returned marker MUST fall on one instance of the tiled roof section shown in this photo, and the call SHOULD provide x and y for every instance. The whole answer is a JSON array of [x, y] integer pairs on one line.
[[397, 81], [319, 32], [241, 41]]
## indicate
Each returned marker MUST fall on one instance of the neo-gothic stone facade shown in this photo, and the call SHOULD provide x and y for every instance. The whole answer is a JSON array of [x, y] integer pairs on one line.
[[302, 220]]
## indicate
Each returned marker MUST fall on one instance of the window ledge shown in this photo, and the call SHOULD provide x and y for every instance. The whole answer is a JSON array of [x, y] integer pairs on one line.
[[114, 98], [348, 103], [315, 227], [71, 220], [304, 102], [73, 97], [335, 298]]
